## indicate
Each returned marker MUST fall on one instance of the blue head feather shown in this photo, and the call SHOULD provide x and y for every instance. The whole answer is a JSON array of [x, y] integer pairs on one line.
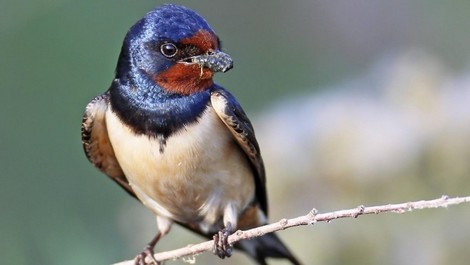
[[168, 22]]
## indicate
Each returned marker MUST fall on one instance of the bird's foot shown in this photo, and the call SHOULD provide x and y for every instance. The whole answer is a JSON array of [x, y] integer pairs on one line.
[[221, 246], [146, 257]]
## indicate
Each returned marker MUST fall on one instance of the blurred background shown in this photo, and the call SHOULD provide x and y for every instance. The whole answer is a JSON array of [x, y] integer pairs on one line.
[[354, 102]]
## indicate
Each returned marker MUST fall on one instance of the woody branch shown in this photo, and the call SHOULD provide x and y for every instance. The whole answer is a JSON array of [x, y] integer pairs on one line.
[[309, 219]]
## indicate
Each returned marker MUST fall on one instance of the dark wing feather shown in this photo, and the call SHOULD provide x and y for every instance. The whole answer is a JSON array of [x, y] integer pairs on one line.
[[96, 142], [232, 114]]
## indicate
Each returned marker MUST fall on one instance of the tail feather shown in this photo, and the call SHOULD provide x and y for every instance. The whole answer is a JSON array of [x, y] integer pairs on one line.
[[267, 246]]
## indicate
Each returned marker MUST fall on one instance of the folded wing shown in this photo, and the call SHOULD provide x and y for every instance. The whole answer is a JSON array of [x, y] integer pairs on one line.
[[96, 144]]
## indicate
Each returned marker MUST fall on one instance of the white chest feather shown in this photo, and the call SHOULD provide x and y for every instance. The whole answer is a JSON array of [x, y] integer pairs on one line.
[[200, 174]]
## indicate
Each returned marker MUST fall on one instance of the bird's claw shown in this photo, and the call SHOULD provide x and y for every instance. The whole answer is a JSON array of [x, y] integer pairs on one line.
[[146, 257], [221, 246]]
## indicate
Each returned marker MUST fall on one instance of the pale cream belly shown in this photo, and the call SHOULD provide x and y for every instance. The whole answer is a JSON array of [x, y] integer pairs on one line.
[[198, 176]]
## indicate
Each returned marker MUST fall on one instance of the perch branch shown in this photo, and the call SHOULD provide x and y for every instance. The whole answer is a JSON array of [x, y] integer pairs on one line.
[[309, 219]]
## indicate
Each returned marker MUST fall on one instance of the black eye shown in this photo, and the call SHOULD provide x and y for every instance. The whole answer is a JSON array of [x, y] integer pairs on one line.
[[168, 49]]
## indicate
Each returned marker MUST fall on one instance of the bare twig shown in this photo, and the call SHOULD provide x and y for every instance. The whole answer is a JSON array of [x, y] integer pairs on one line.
[[311, 218]]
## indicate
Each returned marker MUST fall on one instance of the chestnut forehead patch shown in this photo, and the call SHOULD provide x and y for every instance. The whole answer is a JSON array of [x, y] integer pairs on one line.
[[203, 39]]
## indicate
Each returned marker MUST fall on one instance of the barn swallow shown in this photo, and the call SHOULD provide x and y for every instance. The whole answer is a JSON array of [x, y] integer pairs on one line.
[[176, 141]]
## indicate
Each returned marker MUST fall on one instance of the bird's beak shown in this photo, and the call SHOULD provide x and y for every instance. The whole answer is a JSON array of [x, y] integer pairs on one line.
[[215, 60]]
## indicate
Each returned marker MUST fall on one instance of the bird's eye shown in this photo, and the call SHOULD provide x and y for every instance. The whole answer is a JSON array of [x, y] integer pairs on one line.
[[168, 49]]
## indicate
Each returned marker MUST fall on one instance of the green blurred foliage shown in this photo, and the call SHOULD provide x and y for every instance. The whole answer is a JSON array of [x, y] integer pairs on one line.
[[56, 55]]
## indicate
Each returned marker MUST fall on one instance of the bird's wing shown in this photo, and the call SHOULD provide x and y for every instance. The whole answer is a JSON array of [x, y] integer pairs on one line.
[[96, 142], [232, 114]]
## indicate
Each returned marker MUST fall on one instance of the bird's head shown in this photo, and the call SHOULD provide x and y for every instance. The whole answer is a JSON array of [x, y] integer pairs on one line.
[[175, 48]]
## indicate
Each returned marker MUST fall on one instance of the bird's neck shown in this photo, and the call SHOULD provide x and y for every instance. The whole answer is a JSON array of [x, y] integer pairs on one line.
[[148, 109]]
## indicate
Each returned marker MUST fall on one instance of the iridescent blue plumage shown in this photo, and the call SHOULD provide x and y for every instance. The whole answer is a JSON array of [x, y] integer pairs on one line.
[[171, 22], [155, 112], [166, 23]]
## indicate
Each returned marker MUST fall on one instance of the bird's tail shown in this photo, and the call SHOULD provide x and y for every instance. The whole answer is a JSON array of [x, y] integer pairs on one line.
[[267, 246]]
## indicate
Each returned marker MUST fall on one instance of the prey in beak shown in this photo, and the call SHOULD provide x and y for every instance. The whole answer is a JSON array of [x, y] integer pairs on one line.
[[214, 60]]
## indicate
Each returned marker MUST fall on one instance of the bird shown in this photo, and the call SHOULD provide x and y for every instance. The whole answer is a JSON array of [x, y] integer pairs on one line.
[[178, 142]]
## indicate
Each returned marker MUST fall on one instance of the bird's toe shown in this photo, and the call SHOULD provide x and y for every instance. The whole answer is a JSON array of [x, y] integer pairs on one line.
[[221, 246]]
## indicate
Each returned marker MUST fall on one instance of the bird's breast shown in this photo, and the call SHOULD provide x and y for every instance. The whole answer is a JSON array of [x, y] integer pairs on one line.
[[200, 172]]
